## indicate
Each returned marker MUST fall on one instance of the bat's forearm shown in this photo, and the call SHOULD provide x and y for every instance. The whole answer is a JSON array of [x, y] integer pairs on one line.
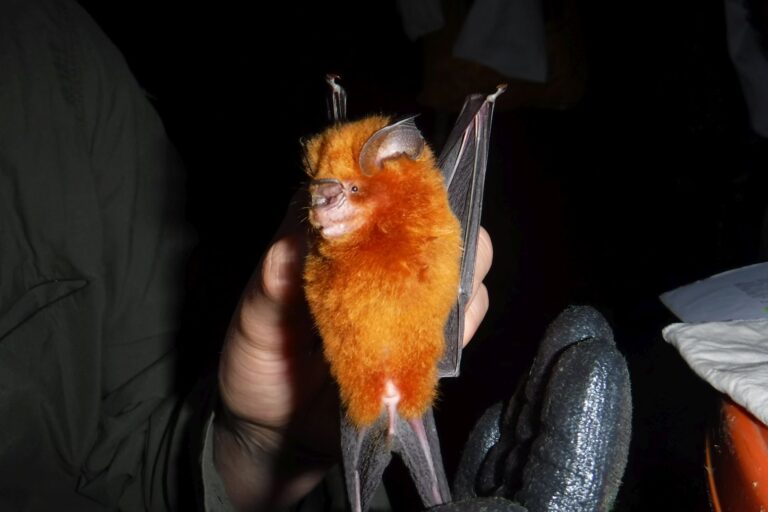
[[250, 461]]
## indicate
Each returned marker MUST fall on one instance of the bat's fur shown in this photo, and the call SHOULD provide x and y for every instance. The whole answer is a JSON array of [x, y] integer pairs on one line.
[[380, 295]]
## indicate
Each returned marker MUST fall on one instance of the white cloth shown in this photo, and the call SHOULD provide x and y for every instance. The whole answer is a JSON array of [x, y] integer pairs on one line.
[[731, 356]]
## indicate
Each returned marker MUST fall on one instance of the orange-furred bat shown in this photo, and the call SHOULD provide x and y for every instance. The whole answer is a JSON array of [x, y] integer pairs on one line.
[[387, 277], [383, 273]]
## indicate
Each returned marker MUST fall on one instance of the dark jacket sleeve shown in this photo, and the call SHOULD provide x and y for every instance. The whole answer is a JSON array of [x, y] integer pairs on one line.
[[93, 247]]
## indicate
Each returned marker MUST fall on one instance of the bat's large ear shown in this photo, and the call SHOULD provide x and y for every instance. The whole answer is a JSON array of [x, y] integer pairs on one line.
[[400, 138]]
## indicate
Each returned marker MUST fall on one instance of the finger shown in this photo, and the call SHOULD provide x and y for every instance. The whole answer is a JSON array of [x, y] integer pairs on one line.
[[269, 328], [273, 294], [484, 258], [263, 337], [279, 278], [276, 284], [475, 312]]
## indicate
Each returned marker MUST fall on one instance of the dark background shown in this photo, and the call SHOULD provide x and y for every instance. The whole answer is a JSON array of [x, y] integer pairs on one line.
[[649, 180]]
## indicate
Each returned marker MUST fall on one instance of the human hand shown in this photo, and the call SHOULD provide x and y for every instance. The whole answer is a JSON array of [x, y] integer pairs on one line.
[[277, 395], [561, 442]]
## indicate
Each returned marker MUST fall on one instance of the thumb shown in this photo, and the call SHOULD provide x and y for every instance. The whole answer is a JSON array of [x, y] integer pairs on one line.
[[279, 277], [255, 364], [273, 294]]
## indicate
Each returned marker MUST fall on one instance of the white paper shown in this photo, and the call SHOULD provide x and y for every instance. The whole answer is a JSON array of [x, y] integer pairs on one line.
[[739, 294]]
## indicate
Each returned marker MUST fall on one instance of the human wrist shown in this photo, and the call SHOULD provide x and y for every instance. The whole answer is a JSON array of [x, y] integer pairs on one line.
[[261, 467]]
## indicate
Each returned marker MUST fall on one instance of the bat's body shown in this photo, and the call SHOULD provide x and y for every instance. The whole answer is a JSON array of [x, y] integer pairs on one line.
[[388, 277], [383, 273]]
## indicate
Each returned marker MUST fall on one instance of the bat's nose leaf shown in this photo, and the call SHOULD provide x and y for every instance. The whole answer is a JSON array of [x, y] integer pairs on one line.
[[325, 192]]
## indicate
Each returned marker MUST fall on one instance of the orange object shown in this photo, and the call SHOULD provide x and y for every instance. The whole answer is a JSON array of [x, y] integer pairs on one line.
[[737, 461], [383, 271]]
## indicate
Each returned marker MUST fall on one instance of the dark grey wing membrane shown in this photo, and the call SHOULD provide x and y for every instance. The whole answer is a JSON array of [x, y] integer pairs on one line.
[[367, 452], [463, 162]]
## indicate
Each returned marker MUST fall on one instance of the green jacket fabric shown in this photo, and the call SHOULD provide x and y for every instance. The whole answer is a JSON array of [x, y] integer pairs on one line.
[[92, 252]]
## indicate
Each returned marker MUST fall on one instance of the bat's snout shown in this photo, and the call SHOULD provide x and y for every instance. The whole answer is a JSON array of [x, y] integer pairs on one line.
[[326, 192], [330, 212]]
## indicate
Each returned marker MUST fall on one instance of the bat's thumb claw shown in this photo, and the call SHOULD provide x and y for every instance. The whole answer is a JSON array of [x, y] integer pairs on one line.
[[499, 91]]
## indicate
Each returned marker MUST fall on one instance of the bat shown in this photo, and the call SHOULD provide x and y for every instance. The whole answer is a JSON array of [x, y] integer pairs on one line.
[[387, 279]]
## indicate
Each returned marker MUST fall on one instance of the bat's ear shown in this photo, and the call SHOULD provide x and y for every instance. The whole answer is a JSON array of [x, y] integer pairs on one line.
[[399, 138]]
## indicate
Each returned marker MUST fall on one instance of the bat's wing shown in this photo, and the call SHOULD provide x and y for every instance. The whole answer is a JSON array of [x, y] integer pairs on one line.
[[463, 161]]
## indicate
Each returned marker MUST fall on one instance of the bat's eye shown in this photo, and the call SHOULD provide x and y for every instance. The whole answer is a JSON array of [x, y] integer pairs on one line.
[[354, 188]]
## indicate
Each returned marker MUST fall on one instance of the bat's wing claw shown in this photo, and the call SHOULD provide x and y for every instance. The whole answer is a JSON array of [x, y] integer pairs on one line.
[[499, 91], [337, 102], [367, 452]]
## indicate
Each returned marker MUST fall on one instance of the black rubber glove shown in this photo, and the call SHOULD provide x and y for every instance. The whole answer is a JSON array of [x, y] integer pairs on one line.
[[561, 442]]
